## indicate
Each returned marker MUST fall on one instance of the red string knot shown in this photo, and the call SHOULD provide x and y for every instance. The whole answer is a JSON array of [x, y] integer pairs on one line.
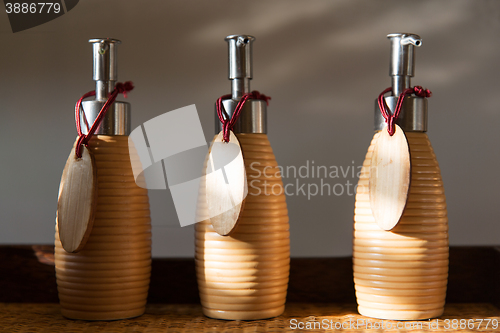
[[390, 119], [124, 88], [228, 123], [421, 92]]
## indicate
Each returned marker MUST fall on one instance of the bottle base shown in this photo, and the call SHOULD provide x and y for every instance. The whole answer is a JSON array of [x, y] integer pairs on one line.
[[103, 315], [243, 315], [400, 314]]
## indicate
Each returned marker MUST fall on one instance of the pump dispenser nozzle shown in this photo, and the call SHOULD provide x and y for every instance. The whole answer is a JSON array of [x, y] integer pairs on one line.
[[240, 63], [253, 116], [105, 75], [402, 60], [105, 66], [413, 116]]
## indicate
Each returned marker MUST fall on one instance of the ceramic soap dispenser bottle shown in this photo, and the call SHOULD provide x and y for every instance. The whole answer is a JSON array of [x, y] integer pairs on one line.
[[401, 270], [244, 275], [107, 278]]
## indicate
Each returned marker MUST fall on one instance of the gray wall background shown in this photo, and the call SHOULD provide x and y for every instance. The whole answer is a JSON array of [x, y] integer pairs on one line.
[[323, 63]]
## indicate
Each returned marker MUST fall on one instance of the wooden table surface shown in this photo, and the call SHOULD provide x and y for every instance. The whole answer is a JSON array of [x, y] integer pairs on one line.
[[46, 318], [320, 290]]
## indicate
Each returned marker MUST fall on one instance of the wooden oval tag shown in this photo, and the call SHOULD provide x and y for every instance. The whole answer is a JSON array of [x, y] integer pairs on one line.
[[390, 175], [226, 184], [77, 200]]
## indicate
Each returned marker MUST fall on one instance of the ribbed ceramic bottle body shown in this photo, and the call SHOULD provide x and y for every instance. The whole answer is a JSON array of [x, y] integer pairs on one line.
[[402, 274], [109, 278], [245, 275]]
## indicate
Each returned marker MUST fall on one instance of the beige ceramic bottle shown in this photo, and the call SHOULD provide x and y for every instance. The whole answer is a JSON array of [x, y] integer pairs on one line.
[[109, 278], [244, 276], [402, 274]]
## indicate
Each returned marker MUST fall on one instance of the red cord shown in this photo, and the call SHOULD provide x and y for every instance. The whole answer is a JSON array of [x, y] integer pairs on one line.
[[120, 88], [228, 123], [391, 119]]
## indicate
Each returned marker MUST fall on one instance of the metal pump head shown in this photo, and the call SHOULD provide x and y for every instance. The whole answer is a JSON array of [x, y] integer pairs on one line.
[[253, 116], [105, 65], [402, 63], [240, 63], [413, 116], [105, 75]]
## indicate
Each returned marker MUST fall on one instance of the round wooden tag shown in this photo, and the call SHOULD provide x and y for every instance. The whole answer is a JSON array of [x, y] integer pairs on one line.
[[77, 200], [226, 184], [390, 175]]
